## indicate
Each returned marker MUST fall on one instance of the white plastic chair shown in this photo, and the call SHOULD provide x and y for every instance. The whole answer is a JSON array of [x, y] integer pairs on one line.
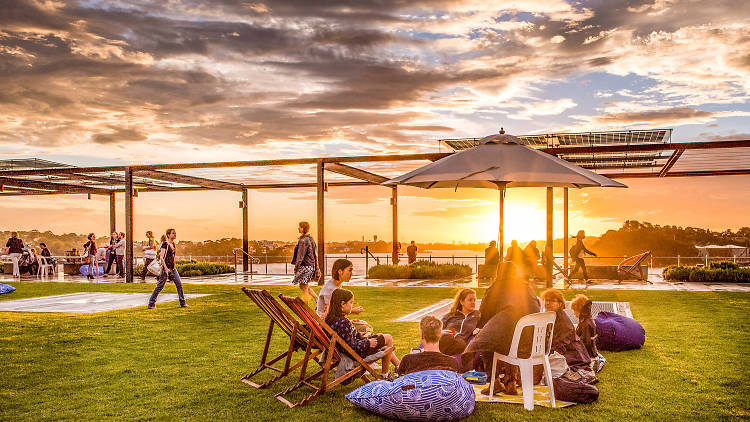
[[44, 264], [540, 349]]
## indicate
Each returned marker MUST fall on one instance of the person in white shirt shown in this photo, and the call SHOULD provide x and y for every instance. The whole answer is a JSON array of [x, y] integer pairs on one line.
[[340, 273]]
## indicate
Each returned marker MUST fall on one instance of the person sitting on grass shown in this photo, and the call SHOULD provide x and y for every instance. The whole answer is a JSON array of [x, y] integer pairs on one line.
[[564, 338], [586, 330], [340, 274], [430, 330], [339, 307], [462, 320]]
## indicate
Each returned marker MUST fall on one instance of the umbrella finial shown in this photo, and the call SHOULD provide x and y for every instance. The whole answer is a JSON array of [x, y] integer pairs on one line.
[[502, 131]]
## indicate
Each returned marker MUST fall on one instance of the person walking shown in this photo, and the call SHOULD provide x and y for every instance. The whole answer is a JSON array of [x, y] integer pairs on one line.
[[110, 256], [149, 253], [167, 253], [531, 258], [15, 249], [305, 262], [90, 251], [411, 252], [577, 253], [120, 254]]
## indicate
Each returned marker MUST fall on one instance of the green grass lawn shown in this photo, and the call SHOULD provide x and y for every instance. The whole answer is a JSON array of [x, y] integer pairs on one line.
[[185, 364]]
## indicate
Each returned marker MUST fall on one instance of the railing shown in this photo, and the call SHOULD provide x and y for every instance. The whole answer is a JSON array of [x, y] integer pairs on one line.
[[251, 259], [368, 254]]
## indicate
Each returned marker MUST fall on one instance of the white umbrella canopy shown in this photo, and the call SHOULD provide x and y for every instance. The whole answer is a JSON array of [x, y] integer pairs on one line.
[[498, 162], [502, 161]]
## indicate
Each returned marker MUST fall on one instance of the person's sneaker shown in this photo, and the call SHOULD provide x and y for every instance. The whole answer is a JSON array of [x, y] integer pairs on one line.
[[151, 306], [184, 305], [389, 376], [589, 282]]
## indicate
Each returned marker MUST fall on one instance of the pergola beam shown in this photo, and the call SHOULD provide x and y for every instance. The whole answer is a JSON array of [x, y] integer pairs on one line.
[[188, 180], [59, 187], [734, 172], [355, 173], [646, 147], [671, 162]]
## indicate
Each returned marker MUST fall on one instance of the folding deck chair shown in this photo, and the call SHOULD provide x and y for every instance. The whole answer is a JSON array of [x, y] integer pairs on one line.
[[321, 333], [632, 266], [299, 339]]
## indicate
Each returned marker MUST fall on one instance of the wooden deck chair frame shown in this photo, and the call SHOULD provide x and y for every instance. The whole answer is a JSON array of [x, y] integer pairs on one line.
[[323, 334], [299, 339], [632, 266], [557, 269]]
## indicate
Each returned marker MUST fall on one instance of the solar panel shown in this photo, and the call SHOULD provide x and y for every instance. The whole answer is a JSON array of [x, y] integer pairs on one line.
[[29, 164]]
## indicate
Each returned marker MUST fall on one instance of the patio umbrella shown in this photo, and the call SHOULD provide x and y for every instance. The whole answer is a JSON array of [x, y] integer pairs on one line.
[[498, 162]]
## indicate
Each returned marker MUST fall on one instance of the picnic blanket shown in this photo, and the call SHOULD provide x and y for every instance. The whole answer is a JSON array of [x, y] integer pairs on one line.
[[541, 397]]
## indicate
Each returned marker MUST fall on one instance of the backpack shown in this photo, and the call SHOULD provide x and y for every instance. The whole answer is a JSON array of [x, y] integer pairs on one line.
[[574, 391]]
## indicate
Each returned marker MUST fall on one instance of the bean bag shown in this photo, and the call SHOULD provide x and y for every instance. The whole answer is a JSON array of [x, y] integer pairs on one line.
[[617, 332], [6, 288], [420, 396], [85, 270]]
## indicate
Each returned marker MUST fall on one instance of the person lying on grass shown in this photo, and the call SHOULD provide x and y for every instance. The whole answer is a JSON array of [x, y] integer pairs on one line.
[[430, 330], [339, 307]]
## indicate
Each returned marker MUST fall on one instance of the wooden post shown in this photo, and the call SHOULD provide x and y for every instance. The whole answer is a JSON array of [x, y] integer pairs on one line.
[[565, 230], [112, 210], [129, 225], [500, 224], [394, 207], [550, 240], [321, 219], [245, 229]]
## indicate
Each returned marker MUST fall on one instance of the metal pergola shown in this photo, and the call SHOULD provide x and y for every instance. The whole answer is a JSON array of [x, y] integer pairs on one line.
[[40, 177]]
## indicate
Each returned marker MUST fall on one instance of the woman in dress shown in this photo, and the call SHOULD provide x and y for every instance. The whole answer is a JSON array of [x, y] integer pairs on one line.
[[305, 262]]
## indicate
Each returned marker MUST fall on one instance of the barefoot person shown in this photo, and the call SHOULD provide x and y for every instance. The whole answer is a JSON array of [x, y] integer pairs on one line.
[[305, 262], [167, 253]]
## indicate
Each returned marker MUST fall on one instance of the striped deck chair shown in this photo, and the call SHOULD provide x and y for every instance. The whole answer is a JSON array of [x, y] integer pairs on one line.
[[299, 339], [327, 337], [632, 266]]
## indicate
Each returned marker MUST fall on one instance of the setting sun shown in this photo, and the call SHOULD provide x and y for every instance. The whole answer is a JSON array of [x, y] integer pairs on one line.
[[523, 222]]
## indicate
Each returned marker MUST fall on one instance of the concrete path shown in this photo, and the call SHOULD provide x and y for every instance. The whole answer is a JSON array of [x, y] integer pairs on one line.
[[85, 302]]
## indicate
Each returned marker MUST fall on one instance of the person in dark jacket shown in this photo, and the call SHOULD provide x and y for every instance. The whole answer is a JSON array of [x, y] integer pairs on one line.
[[491, 254], [531, 258], [514, 253], [15, 249], [586, 330], [577, 252], [431, 358], [305, 262], [461, 321], [564, 338], [90, 251]]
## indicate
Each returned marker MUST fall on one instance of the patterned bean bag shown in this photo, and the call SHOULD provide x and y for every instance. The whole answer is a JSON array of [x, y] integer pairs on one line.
[[420, 396], [85, 270], [6, 288], [617, 332]]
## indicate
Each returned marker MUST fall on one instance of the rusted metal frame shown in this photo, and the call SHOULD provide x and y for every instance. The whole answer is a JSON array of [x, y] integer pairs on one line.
[[129, 225], [646, 147], [112, 212], [31, 193], [60, 187], [734, 172], [109, 181], [264, 186], [394, 222], [321, 188], [245, 230], [188, 180], [355, 173], [550, 239], [565, 230], [226, 164], [671, 162]]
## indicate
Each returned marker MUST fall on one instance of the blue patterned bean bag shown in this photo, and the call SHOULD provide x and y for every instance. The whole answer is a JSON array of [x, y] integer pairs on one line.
[[6, 288], [420, 396]]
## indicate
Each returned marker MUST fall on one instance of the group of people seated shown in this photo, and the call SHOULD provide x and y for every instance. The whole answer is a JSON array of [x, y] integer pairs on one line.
[[466, 337], [25, 259]]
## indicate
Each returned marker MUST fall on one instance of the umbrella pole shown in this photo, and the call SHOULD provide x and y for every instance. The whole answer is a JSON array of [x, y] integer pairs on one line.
[[500, 225]]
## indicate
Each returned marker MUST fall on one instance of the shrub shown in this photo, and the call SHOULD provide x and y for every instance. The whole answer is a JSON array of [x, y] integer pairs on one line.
[[193, 268], [724, 265], [420, 269], [731, 273]]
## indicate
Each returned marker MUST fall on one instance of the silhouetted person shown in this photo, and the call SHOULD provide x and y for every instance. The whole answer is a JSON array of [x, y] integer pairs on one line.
[[514, 254], [531, 257], [491, 254], [411, 252], [577, 252], [15, 249]]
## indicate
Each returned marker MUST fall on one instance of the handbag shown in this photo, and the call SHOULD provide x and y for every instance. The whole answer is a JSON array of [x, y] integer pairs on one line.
[[155, 267]]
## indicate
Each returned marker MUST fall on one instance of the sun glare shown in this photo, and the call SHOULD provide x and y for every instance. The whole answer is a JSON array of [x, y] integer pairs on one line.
[[522, 222]]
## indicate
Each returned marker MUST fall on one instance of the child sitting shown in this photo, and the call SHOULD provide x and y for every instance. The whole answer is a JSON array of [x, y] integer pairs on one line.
[[339, 307], [586, 330], [430, 330]]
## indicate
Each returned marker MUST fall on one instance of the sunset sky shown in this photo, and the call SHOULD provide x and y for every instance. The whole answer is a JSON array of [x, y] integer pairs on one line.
[[115, 82]]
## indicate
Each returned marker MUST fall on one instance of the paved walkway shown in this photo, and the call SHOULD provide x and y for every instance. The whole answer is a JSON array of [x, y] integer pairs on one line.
[[285, 280], [85, 302]]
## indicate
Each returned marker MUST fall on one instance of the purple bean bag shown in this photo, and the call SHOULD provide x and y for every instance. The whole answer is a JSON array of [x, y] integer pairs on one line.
[[617, 333]]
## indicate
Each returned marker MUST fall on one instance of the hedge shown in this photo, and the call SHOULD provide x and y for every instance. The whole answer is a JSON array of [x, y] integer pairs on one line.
[[722, 272], [419, 270], [193, 268]]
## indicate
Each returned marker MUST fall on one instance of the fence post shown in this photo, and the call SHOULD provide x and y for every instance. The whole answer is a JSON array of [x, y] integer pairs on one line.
[[266, 264], [678, 260], [453, 259], [651, 262], [387, 260], [706, 260], [476, 263], [430, 257], [286, 265]]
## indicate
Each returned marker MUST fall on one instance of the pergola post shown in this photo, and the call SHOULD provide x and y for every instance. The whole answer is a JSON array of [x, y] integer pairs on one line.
[[394, 207], [321, 218], [245, 229], [129, 225], [550, 240], [112, 210], [501, 205], [565, 230]]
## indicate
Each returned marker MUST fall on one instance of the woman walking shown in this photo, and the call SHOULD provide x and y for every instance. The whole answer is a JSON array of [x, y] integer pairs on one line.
[[577, 252], [15, 249], [149, 253], [167, 253], [305, 262], [90, 250]]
